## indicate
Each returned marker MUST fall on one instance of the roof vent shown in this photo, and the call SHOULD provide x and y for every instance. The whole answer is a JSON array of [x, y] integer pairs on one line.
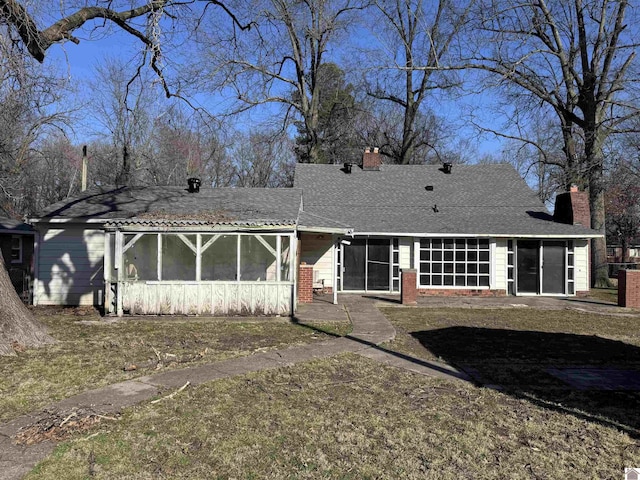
[[446, 167], [429, 188], [194, 185], [347, 168]]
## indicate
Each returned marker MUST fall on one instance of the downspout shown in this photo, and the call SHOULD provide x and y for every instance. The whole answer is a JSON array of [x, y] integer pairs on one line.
[[335, 270]]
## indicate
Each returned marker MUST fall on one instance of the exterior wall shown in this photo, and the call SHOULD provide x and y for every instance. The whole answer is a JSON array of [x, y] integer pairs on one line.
[[460, 292], [208, 298], [406, 252], [582, 265], [499, 265], [316, 250], [70, 261]]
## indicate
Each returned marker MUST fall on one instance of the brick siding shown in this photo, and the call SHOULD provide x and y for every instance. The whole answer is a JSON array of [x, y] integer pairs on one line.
[[408, 287], [305, 283], [629, 288], [460, 292]]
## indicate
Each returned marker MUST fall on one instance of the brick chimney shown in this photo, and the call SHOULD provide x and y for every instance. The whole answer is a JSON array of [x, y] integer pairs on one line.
[[572, 207], [371, 160]]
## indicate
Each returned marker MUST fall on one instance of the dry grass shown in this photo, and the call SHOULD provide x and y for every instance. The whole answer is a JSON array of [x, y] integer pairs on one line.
[[520, 350], [91, 353], [343, 418], [609, 295]]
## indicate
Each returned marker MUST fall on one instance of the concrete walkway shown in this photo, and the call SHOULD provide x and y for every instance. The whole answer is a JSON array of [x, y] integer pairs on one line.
[[370, 328]]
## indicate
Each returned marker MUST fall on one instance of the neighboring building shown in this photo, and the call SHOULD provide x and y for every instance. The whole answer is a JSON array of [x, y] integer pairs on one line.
[[16, 244], [615, 254], [476, 229]]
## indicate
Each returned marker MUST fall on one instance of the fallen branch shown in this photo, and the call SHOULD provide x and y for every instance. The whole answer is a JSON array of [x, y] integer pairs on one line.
[[172, 394], [73, 414]]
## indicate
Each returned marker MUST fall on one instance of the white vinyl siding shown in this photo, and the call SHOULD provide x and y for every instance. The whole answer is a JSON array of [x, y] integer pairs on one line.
[[582, 265], [406, 243], [500, 265], [70, 267], [317, 250]]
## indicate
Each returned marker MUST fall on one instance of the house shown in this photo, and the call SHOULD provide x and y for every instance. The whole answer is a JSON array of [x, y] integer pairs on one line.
[[460, 229], [16, 245], [165, 250], [464, 229]]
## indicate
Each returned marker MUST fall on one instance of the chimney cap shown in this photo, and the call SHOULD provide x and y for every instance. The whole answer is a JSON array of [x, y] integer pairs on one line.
[[574, 188], [194, 184]]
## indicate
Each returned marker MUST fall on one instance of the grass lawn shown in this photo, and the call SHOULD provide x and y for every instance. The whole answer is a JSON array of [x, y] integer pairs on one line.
[[529, 353], [605, 294], [346, 417], [91, 353]]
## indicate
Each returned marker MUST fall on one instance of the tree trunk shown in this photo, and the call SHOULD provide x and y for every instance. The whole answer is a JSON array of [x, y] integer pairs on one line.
[[124, 178], [599, 268], [17, 325]]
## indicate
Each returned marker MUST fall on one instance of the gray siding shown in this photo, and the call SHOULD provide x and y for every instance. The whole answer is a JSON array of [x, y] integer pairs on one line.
[[70, 261]]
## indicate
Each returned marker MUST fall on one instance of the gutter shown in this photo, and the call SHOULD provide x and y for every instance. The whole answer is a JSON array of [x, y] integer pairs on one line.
[[477, 235]]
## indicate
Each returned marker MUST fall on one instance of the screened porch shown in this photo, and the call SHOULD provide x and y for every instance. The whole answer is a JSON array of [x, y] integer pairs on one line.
[[226, 273]]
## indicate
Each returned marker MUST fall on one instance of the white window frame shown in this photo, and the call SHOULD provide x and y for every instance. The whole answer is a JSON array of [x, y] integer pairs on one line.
[[490, 250]]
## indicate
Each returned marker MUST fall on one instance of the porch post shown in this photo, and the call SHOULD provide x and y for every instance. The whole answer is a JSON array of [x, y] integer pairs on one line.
[[106, 268], [335, 271], [118, 265]]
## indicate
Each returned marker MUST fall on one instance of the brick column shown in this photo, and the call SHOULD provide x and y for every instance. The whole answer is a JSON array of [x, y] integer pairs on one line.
[[305, 283], [408, 288], [629, 288]]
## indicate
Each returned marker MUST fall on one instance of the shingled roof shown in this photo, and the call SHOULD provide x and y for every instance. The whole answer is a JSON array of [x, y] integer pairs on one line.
[[423, 200], [177, 206], [9, 225]]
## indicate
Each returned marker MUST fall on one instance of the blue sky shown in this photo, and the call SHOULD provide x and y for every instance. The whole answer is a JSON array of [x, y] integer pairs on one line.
[[80, 61]]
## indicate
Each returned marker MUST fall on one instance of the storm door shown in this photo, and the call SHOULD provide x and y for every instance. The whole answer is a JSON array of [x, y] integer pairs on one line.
[[553, 267], [354, 255], [541, 267], [528, 253], [378, 260], [367, 265]]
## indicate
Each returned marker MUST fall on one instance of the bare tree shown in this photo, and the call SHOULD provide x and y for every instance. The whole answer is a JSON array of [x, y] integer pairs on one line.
[[622, 202], [20, 29], [573, 58], [418, 34], [282, 53], [185, 144], [263, 160], [124, 103]]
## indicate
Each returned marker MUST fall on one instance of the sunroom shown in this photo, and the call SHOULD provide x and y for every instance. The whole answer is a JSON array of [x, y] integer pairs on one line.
[[160, 270]]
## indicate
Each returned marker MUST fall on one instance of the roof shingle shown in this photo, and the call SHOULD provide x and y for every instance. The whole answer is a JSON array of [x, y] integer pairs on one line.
[[471, 200]]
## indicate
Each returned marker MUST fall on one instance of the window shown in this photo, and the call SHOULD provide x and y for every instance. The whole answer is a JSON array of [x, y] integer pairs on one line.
[[571, 282], [141, 258], [179, 257], [258, 258], [16, 249], [219, 257], [454, 263], [175, 257]]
